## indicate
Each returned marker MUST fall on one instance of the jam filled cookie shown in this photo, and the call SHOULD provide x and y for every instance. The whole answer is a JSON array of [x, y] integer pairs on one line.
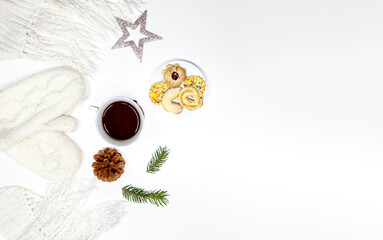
[[174, 75]]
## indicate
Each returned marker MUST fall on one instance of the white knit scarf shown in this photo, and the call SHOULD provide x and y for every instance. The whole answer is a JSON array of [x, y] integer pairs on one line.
[[60, 215], [68, 32]]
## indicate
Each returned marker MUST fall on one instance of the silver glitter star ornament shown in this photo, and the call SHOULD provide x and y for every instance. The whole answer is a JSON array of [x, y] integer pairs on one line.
[[124, 25]]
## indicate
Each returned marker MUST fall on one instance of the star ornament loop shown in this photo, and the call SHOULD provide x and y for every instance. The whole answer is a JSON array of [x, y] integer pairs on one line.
[[124, 25]]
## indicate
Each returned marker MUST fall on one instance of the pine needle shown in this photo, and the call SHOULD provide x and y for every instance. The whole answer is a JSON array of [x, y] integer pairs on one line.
[[158, 159], [138, 195]]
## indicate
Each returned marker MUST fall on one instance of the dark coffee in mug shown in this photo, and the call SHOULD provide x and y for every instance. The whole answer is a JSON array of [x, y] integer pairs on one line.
[[121, 120]]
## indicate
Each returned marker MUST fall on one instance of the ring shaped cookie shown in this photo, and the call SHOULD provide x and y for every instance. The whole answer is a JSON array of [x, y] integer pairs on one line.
[[191, 98]]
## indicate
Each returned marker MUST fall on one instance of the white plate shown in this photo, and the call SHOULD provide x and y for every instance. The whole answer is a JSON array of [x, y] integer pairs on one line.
[[191, 69]]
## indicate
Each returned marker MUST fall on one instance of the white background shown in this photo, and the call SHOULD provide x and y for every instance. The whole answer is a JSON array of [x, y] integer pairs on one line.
[[289, 143]]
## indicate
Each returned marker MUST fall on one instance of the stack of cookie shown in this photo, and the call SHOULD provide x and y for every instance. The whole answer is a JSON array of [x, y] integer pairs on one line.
[[176, 85]]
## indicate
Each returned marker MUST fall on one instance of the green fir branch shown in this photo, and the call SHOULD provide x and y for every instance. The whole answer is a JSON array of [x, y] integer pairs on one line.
[[138, 195], [159, 157]]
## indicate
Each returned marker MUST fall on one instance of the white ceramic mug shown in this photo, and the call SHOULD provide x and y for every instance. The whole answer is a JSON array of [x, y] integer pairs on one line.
[[100, 111]]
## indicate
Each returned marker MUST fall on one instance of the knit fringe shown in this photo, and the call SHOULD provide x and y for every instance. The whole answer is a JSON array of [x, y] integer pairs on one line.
[[101, 13], [61, 36], [60, 202], [71, 32], [100, 219], [61, 214], [15, 20]]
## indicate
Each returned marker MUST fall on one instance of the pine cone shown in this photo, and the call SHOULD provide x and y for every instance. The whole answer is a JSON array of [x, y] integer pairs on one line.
[[109, 165]]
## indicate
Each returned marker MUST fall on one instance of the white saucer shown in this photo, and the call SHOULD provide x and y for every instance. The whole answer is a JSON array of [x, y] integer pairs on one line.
[[191, 69]]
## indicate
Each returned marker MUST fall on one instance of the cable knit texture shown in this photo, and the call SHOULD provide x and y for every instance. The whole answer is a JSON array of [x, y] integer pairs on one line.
[[53, 155], [31, 121], [68, 32], [36, 100], [60, 215]]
